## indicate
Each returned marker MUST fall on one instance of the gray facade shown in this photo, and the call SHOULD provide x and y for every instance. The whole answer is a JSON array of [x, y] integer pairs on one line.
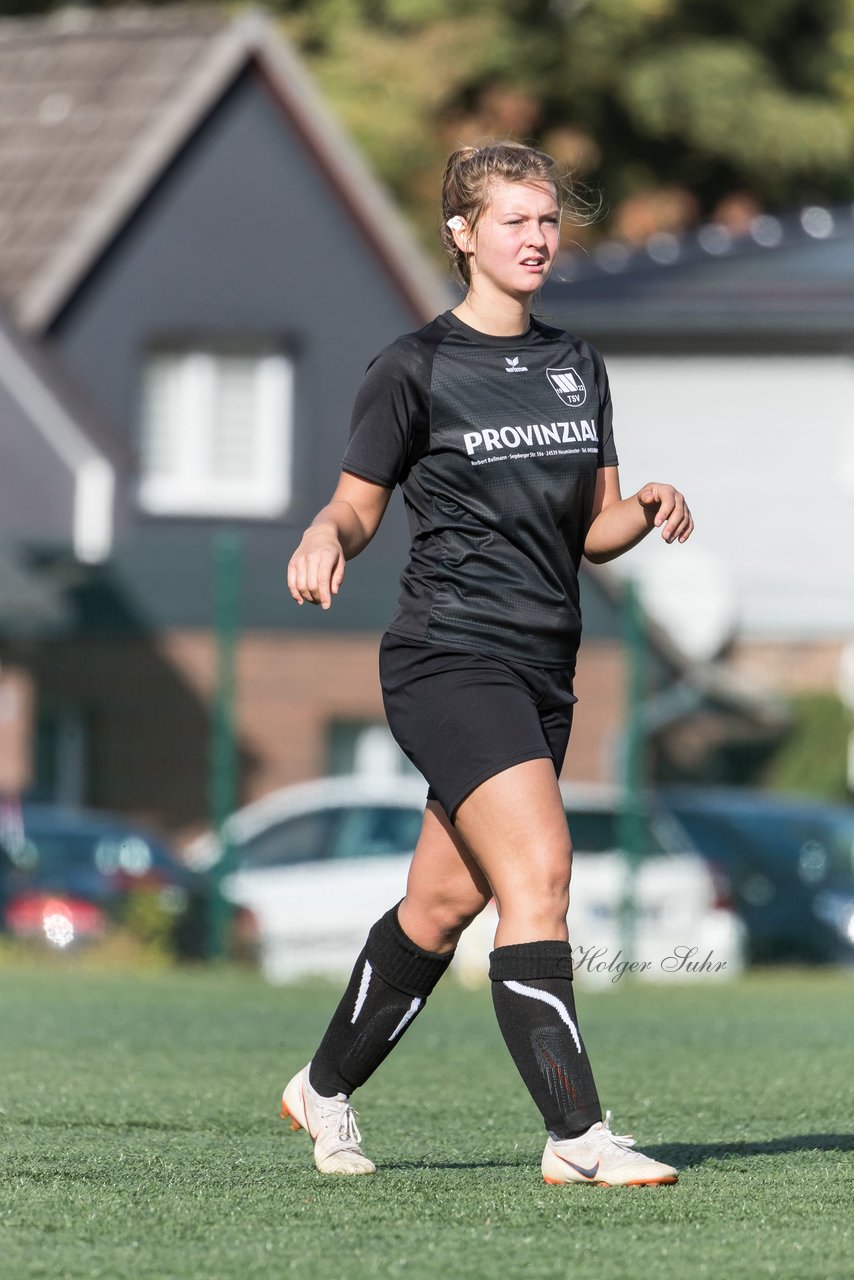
[[243, 237], [62, 471], [36, 487]]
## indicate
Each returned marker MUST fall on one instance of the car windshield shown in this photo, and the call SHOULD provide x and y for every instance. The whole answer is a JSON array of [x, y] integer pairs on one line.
[[815, 848], [378, 831], [343, 831], [818, 847], [598, 831], [383, 830], [42, 856], [306, 837]]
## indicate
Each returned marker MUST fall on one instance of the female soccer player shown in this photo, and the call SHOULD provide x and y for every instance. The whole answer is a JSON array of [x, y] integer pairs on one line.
[[498, 429]]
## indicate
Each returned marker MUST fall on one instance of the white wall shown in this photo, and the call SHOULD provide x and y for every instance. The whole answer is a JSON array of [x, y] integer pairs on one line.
[[763, 448]]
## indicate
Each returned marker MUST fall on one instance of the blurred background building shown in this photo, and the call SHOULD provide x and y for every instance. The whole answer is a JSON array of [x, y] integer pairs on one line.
[[196, 265], [192, 242]]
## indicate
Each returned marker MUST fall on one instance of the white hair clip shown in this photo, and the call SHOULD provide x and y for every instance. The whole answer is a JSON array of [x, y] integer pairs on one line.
[[456, 223]]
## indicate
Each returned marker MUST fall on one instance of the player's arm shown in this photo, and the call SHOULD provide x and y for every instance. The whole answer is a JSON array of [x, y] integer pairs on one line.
[[619, 523], [338, 532]]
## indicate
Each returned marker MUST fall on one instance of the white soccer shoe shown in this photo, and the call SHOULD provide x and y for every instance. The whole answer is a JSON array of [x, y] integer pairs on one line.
[[330, 1122], [604, 1159]]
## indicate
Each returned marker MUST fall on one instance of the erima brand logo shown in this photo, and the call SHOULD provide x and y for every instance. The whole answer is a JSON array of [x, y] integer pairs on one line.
[[513, 365], [535, 435], [568, 386]]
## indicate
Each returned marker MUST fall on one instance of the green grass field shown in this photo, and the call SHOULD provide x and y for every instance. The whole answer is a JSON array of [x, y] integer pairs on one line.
[[140, 1136]]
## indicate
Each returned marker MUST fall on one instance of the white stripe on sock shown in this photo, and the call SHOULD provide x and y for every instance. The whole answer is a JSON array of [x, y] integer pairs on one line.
[[363, 991], [407, 1017], [534, 993]]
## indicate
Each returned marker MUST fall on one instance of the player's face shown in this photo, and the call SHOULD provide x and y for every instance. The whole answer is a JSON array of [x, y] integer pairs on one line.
[[516, 238]]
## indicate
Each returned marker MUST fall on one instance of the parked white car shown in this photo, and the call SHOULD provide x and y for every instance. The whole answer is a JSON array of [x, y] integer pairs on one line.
[[317, 863]]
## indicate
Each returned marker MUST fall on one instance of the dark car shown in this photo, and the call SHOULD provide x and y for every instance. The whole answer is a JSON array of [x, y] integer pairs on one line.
[[787, 866], [67, 875]]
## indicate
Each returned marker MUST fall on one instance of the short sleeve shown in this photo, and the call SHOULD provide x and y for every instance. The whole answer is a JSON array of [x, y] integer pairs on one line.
[[607, 447], [389, 405]]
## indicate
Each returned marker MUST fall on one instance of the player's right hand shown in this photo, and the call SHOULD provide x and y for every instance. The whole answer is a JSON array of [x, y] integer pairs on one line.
[[316, 569]]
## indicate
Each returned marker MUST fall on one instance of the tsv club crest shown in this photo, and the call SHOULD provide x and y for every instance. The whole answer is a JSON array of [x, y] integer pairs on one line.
[[568, 386]]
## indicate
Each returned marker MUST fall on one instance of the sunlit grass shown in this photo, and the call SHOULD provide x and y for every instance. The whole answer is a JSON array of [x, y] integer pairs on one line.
[[140, 1135]]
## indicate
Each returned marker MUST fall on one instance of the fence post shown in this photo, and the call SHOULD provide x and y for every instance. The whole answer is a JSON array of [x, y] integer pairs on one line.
[[632, 827], [222, 781]]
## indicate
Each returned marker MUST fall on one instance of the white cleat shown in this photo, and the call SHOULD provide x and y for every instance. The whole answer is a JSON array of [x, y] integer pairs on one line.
[[603, 1159], [329, 1122]]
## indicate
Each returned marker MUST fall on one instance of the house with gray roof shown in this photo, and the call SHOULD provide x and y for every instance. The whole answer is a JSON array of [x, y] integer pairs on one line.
[[731, 360], [197, 267], [192, 249]]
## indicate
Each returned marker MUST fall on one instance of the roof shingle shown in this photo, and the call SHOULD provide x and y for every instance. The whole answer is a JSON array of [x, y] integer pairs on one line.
[[95, 104], [77, 91]]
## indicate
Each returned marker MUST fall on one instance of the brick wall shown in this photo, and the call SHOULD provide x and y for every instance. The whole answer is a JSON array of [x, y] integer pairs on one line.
[[16, 724], [288, 690], [147, 703], [809, 666], [600, 685]]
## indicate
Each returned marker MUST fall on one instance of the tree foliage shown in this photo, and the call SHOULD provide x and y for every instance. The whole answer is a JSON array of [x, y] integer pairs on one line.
[[679, 104], [704, 97], [813, 759]]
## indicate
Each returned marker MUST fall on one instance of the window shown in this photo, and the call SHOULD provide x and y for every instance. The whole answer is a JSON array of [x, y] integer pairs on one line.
[[365, 747], [216, 433], [307, 837], [598, 831], [62, 756], [813, 847], [378, 831]]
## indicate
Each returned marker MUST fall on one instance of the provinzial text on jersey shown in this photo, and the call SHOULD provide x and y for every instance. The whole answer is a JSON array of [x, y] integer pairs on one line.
[[539, 433]]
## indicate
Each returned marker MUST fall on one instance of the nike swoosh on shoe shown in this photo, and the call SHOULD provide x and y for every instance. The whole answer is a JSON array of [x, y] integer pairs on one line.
[[585, 1173]]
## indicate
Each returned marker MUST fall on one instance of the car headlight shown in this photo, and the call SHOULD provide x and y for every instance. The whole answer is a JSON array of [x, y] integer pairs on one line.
[[837, 910]]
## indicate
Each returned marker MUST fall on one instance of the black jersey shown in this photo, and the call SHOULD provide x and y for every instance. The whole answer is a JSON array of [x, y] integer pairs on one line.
[[495, 442]]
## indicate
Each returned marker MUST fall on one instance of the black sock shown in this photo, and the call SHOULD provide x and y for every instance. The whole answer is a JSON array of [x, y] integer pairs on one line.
[[535, 1006], [389, 984]]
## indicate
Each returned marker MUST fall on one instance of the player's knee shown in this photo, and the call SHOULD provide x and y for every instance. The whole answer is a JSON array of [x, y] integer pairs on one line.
[[539, 903], [443, 917], [452, 913], [542, 915]]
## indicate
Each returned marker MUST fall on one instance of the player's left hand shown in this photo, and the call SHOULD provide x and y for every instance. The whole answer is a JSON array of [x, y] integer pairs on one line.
[[666, 509]]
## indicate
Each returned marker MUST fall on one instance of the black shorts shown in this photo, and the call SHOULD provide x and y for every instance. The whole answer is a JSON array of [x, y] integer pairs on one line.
[[462, 716]]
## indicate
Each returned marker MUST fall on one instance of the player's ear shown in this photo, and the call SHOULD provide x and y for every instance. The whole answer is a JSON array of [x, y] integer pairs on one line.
[[460, 231]]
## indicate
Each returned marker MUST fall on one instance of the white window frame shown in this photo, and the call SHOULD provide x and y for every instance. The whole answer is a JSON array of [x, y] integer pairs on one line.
[[189, 490]]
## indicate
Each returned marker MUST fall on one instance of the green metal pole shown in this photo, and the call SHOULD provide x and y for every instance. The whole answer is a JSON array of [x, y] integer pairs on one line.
[[632, 816], [222, 787]]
